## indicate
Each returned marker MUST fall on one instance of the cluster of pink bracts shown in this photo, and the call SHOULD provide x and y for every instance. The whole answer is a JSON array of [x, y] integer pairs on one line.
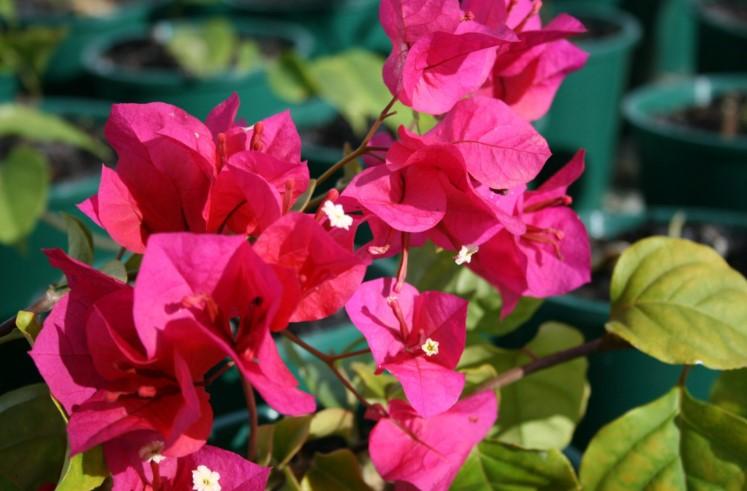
[[227, 262]]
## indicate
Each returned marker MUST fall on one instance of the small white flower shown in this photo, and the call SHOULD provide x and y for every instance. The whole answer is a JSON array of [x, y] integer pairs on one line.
[[336, 215], [465, 254], [152, 452], [430, 347], [204, 479]]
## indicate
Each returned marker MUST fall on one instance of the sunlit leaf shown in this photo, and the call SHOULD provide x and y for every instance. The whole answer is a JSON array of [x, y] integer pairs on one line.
[[335, 471], [24, 184], [730, 391], [79, 239], [84, 471], [681, 303]]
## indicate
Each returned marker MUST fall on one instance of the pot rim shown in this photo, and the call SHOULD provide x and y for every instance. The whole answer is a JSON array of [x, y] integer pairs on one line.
[[320, 6], [642, 104], [136, 8], [719, 21], [628, 36], [301, 40]]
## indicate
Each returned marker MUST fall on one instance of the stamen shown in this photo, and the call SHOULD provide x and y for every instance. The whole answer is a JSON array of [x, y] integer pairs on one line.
[[536, 6], [397, 310], [256, 142], [221, 150], [564, 200]]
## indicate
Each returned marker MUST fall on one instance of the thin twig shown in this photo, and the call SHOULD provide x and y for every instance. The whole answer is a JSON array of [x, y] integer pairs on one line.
[[605, 343], [682, 380], [251, 407], [329, 360]]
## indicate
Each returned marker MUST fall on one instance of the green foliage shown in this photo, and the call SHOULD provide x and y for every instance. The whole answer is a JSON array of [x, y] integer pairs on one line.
[[496, 466], [344, 81], [79, 239], [436, 270], [335, 471], [730, 392], [28, 324], [681, 303], [332, 421], [32, 433], [212, 47], [541, 410], [24, 184], [84, 471], [33, 125], [116, 269], [277, 443], [26, 51], [673, 443]]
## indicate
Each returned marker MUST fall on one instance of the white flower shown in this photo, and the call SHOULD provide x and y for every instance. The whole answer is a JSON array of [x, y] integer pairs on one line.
[[152, 452], [336, 215], [465, 254], [203, 479], [430, 347]]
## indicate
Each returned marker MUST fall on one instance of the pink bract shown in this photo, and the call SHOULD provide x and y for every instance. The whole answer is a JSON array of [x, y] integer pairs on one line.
[[552, 256], [216, 297], [429, 379], [428, 452]]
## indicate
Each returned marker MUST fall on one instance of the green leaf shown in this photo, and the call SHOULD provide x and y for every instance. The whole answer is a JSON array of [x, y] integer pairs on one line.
[[115, 269], [332, 421], [673, 443], [29, 325], [435, 270], [730, 392], [681, 303], [203, 49], [32, 437], [84, 471], [496, 466], [335, 471], [345, 81], [24, 184], [541, 410], [288, 436], [248, 56], [290, 79], [79, 239], [36, 126], [375, 388]]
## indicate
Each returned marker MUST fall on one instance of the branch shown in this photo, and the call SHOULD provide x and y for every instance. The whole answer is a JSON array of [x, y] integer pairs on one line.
[[330, 360], [251, 407], [608, 342], [363, 148]]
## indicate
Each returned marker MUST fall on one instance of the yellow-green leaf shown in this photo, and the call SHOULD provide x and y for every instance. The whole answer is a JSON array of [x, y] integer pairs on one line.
[[681, 303], [496, 466], [29, 325], [730, 392], [674, 443], [24, 184], [79, 239], [84, 471], [335, 471], [332, 421]]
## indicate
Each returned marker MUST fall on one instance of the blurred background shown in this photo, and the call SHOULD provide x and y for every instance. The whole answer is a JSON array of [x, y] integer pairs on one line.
[[661, 108]]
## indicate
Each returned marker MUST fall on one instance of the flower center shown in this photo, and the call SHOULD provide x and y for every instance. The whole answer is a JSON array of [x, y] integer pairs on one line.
[[465, 254], [204, 479], [430, 347], [550, 236], [152, 452]]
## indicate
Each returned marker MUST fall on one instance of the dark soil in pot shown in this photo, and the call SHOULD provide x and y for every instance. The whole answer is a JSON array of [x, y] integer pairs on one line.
[[725, 114], [736, 10], [730, 242], [596, 29], [143, 54]]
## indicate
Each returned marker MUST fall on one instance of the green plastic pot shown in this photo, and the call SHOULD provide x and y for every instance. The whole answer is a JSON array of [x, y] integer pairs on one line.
[[722, 40], [336, 24], [680, 166], [196, 96], [65, 67], [26, 268], [585, 113], [622, 380], [8, 87]]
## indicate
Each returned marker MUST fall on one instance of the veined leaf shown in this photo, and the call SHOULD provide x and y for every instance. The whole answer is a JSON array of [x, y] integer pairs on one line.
[[496, 466], [673, 443], [79, 239], [681, 303], [541, 410], [730, 392]]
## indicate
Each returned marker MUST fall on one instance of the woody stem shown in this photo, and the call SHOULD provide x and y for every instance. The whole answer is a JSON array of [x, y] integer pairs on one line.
[[251, 406], [330, 360], [363, 148], [402, 271], [607, 342]]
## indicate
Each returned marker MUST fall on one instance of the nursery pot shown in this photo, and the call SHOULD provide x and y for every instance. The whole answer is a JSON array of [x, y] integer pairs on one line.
[[683, 166], [722, 38], [195, 95], [25, 267], [622, 380], [336, 24], [585, 113], [65, 65]]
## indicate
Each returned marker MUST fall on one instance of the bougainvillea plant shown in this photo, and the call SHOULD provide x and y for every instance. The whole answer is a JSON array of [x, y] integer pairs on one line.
[[230, 252]]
